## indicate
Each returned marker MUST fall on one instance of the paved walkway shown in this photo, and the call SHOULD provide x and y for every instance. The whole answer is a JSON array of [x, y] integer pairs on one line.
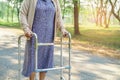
[[85, 66]]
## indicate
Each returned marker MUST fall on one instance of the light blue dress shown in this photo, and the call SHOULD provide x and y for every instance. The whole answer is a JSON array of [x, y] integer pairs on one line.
[[43, 26]]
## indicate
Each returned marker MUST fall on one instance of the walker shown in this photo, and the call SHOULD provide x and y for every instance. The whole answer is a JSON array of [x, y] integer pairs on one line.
[[61, 43]]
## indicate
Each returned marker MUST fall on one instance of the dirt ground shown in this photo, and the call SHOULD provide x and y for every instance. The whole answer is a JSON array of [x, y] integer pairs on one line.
[[85, 66]]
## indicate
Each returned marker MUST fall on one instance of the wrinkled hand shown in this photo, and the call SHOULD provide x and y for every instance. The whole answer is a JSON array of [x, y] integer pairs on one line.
[[65, 33], [28, 34]]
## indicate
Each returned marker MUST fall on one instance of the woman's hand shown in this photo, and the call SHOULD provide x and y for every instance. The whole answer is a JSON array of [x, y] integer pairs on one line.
[[65, 33], [28, 34]]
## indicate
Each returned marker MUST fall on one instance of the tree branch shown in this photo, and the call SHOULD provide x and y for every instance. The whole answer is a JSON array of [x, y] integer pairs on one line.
[[113, 6]]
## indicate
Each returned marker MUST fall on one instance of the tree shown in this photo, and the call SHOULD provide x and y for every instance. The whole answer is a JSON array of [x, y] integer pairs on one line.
[[117, 7], [8, 10], [18, 2], [101, 18], [66, 8], [2, 8], [13, 8], [103, 14], [76, 17]]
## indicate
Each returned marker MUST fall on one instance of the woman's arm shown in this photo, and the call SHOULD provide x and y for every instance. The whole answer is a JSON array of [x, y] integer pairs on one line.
[[60, 24], [23, 15], [59, 17]]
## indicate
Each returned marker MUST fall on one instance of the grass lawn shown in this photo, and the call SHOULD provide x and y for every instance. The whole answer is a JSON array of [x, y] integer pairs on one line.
[[10, 24], [105, 41]]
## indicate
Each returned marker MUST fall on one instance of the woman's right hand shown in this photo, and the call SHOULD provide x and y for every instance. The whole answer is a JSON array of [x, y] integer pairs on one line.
[[28, 34]]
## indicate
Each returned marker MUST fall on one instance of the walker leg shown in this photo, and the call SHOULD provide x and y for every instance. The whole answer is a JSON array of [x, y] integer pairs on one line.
[[69, 46], [19, 57], [36, 56], [61, 59]]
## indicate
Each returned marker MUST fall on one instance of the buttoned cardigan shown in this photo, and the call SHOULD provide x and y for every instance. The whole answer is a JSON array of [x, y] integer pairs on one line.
[[27, 11]]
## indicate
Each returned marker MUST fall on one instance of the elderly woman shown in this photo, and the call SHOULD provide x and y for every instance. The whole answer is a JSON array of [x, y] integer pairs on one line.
[[42, 17]]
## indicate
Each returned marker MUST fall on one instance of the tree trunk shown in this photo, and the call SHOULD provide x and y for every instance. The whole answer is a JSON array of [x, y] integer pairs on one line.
[[2, 8], [18, 9], [97, 16], [64, 11], [7, 11], [76, 18], [12, 13], [95, 20], [108, 22], [100, 19]]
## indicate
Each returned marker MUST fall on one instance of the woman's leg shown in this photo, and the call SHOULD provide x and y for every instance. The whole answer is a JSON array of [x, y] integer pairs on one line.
[[42, 75], [32, 76]]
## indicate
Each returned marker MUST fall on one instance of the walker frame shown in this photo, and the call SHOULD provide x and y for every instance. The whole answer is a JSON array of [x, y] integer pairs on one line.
[[36, 57]]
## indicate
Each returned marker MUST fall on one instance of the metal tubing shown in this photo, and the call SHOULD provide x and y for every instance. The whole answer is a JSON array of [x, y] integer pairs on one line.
[[36, 56], [45, 44], [61, 58], [19, 57], [50, 69], [69, 46], [64, 43]]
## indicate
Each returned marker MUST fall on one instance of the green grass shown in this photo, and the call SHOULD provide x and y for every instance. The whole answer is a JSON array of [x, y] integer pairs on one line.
[[98, 36], [9, 24]]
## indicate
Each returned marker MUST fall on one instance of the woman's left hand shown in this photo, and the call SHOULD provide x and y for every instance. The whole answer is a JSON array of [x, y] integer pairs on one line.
[[65, 33]]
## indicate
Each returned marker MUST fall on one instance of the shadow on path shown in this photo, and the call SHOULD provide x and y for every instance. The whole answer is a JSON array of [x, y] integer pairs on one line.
[[85, 66]]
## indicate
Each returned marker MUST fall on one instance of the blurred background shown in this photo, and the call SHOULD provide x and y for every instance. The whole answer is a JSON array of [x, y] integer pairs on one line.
[[93, 23]]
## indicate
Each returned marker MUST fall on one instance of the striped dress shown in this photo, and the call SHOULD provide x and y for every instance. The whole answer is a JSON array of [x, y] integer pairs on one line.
[[43, 26]]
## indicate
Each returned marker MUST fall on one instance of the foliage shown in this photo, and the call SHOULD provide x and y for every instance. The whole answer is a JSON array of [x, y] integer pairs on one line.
[[2, 9], [87, 9], [9, 10]]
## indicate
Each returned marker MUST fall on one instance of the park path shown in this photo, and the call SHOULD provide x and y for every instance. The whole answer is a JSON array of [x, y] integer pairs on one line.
[[85, 66]]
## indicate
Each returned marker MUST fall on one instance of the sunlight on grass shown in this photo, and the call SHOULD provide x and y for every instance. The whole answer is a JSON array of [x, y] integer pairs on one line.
[[9, 24], [92, 36], [105, 37]]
